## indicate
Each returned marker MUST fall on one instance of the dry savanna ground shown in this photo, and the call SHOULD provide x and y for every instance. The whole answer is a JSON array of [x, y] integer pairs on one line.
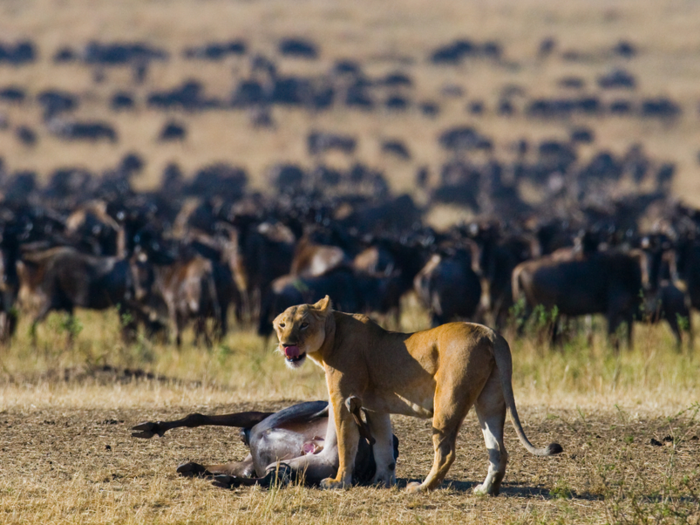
[[628, 423]]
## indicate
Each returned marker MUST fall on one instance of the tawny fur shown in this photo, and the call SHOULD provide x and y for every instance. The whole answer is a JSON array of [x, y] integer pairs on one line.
[[438, 373]]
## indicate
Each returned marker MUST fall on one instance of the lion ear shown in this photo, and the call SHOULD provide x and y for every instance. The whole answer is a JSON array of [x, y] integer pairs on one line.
[[324, 304]]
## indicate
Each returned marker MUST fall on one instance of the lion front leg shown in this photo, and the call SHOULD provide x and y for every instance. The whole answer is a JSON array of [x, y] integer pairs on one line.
[[348, 440]]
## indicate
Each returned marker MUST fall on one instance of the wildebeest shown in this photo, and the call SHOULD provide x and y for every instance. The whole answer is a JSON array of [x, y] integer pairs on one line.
[[187, 285], [606, 282], [671, 304], [9, 284], [77, 130], [450, 286], [296, 443], [172, 131], [351, 291], [62, 279]]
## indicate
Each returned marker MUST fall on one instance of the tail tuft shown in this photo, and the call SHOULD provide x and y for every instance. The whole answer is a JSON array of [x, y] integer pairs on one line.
[[554, 448]]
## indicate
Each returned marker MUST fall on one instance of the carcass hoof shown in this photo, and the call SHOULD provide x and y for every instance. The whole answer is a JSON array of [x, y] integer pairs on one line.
[[226, 482], [147, 430], [190, 470]]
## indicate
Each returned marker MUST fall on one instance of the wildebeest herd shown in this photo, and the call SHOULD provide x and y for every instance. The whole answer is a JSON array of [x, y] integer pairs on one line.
[[208, 251], [204, 248]]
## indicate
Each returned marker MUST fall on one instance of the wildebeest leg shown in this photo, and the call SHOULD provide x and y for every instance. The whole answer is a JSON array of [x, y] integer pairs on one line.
[[280, 473], [39, 317], [70, 326], [200, 330], [179, 326], [380, 426], [240, 419], [238, 469], [555, 333], [672, 321], [221, 324], [691, 339]]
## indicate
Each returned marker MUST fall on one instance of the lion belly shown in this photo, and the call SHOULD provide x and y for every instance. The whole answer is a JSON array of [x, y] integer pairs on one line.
[[417, 403]]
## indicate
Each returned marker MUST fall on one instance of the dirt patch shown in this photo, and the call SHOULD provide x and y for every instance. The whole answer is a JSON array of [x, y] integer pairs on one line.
[[97, 375], [83, 466]]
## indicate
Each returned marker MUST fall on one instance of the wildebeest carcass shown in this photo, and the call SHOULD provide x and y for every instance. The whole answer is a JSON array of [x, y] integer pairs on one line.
[[296, 443], [573, 283]]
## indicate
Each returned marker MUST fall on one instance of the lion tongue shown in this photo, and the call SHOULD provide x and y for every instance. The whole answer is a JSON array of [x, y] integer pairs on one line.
[[291, 351]]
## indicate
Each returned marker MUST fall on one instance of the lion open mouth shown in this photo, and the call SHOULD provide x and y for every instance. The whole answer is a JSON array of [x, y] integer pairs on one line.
[[293, 354]]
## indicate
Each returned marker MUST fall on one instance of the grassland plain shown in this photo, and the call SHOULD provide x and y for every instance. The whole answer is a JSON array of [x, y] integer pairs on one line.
[[629, 426], [65, 410]]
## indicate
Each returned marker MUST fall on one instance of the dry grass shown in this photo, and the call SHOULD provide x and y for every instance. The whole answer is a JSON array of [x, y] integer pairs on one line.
[[68, 457]]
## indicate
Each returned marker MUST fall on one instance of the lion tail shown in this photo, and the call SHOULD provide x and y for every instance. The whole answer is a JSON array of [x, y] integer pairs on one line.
[[504, 363]]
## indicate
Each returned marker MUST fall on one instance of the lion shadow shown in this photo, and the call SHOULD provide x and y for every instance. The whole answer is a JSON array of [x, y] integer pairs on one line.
[[514, 489]]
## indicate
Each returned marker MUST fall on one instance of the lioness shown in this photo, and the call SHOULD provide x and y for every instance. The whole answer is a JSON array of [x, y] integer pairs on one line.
[[438, 373]]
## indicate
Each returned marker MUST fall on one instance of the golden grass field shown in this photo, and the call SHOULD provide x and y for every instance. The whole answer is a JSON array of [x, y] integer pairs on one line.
[[65, 447], [66, 411]]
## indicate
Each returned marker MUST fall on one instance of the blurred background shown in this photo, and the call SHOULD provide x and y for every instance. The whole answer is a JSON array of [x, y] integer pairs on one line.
[[531, 90]]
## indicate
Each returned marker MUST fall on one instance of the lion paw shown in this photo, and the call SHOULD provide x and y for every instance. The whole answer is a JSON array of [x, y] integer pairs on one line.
[[414, 487], [484, 490], [331, 483]]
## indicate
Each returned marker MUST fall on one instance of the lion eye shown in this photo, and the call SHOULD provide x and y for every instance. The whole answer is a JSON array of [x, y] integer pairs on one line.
[[304, 325], [281, 325]]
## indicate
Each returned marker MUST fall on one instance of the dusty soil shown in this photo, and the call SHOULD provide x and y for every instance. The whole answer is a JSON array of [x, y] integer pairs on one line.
[[83, 466]]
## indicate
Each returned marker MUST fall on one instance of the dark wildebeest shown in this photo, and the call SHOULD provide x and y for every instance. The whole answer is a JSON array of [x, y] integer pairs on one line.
[[257, 253], [577, 283], [671, 304], [9, 284], [62, 278], [352, 291], [449, 285], [663, 300], [187, 285], [500, 253], [296, 443]]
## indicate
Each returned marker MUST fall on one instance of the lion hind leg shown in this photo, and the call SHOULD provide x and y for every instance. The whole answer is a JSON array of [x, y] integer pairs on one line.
[[449, 413], [491, 411]]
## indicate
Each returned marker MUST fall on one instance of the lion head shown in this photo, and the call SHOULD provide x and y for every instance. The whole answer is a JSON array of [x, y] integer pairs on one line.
[[301, 331]]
